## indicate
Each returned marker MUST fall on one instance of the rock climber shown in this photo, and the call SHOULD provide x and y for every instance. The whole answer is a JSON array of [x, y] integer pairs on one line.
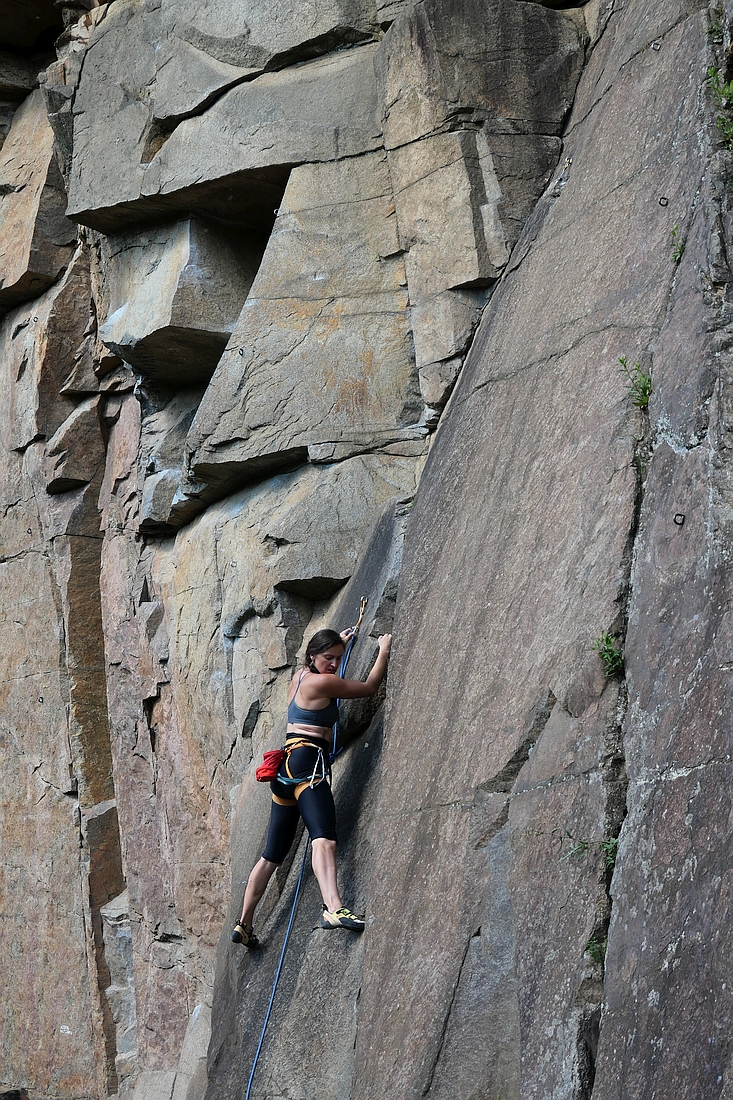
[[302, 788]]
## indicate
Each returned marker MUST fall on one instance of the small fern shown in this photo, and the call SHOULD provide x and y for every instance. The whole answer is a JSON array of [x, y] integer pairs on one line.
[[611, 656], [639, 386], [723, 95], [597, 948], [609, 847], [678, 245]]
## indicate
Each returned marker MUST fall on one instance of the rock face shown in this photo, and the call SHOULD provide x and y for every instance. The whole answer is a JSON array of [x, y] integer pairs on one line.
[[61, 858], [344, 365], [36, 239], [247, 250], [471, 139], [174, 296], [512, 807]]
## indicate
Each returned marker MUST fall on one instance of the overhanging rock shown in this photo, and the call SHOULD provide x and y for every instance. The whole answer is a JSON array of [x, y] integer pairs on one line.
[[174, 295], [235, 166]]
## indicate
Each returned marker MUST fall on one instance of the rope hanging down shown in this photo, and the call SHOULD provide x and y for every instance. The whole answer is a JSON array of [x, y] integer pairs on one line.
[[334, 754], [279, 968]]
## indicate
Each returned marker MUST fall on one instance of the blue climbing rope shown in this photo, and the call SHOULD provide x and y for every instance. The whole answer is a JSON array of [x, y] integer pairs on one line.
[[334, 754], [342, 669], [279, 968]]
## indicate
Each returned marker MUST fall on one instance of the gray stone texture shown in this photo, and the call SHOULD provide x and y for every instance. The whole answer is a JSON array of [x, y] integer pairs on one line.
[[320, 111], [209, 46], [39, 342], [161, 453], [60, 79], [344, 363], [220, 392], [120, 990], [457, 217], [123, 154], [472, 139], [174, 294], [36, 239], [18, 75], [674, 872], [551, 539]]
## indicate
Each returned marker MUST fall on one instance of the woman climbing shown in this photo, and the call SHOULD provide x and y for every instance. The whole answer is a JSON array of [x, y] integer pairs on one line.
[[302, 786]]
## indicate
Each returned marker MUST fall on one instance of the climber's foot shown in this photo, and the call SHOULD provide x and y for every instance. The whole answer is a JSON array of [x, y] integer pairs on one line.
[[247, 939], [342, 918]]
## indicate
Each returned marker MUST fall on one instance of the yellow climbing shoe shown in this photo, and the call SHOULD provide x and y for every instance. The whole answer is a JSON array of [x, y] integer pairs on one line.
[[241, 935], [342, 918]]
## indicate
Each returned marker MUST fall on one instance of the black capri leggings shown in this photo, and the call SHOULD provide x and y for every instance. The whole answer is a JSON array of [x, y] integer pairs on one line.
[[314, 805]]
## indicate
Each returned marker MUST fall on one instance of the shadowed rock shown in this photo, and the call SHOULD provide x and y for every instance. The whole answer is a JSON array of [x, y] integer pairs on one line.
[[75, 453], [162, 443], [18, 75], [38, 343], [22, 22], [36, 239], [174, 296], [120, 992]]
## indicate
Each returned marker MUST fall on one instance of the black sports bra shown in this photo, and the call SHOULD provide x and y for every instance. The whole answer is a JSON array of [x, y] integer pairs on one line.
[[326, 716]]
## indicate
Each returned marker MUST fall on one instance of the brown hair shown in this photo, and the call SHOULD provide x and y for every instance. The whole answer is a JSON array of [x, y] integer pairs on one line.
[[319, 643]]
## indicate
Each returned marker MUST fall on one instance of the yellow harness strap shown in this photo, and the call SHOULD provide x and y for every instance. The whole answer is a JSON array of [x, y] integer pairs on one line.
[[298, 743], [284, 801]]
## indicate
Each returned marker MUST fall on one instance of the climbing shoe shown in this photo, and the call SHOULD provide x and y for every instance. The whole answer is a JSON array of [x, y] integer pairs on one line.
[[342, 918], [241, 935]]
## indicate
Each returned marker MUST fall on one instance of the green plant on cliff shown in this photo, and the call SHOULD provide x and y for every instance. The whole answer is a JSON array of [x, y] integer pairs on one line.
[[577, 850], [678, 245], [610, 654], [723, 95], [715, 25], [597, 948], [639, 384], [609, 847]]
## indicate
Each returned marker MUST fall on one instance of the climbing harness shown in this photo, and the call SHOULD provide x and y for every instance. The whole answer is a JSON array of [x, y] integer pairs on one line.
[[313, 782], [320, 769]]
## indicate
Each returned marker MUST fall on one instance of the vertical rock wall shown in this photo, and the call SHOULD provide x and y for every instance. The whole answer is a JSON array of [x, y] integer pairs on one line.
[[246, 249], [552, 867]]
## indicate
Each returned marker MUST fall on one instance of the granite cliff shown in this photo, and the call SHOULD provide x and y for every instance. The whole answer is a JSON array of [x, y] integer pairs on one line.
[[306, 302]]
